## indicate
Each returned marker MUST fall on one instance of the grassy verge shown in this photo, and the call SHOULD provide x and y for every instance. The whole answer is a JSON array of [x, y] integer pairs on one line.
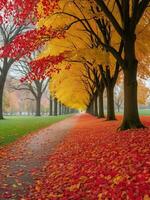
[[145, 112], [142, 112], [13, 128]]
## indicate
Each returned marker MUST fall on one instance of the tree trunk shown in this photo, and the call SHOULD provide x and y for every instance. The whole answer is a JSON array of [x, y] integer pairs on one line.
[[38, 106], [55, 107], [1, 100], [101, 105], [110, 103], [60, 108], [50, 106], [2, 85], [131, 116], [63, 110], [68, 110], [95, 106], [92, 108]]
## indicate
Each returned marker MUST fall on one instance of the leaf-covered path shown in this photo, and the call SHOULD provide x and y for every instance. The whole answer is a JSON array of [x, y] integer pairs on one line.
[[22, 161], [93, 162]]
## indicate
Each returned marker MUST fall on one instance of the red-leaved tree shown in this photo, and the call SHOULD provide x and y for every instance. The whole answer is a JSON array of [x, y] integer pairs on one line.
[[19, 35]]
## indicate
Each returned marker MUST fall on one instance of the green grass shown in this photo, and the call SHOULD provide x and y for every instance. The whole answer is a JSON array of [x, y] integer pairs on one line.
[[142, 112], [145, 112], [12, 128]]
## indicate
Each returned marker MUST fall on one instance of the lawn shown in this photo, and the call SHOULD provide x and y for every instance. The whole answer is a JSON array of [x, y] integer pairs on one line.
[[13, 128], [142, 112]]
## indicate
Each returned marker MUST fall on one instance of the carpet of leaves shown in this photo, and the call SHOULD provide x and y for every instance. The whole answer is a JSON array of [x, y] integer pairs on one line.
[[97, 162]]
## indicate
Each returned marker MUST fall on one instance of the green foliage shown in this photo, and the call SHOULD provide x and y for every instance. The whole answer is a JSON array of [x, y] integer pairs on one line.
[[13, 128]]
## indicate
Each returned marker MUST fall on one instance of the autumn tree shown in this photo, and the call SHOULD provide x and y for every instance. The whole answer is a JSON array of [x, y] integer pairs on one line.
[[19, 35], [35, 86], [130, 14]]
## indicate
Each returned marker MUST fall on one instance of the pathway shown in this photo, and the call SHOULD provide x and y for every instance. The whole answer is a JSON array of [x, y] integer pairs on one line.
[[22, 161]]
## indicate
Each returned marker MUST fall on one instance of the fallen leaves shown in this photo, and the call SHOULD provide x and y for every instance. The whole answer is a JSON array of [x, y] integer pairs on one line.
[[95, 162]]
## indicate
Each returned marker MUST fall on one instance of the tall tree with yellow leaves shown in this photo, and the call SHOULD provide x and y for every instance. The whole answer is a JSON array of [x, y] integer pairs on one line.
[[130, 13]]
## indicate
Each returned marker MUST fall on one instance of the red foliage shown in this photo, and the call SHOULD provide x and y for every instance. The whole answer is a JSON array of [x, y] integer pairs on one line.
[[26, 43], [23, 42], [25, 11], [49, 6], [96, 162], [43, 67]]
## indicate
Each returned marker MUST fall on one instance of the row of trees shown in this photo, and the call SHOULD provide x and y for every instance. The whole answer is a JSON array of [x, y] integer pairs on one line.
[[23, 99], [103, 38]]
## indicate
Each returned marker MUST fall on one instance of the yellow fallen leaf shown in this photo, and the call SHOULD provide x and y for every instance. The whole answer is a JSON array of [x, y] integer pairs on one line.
[[83, 178], [74, 187], [54, 195], [100, 196], [14, 185], [117, 179], [39, 182], [146, 197], [37, 188]]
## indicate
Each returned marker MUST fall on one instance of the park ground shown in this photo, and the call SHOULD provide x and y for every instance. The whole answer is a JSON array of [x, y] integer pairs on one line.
[[79, 158], [14, 127]]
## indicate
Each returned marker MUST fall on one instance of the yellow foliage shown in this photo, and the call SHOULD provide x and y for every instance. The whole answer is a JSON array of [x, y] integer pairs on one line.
[[143, 93], [67, 85]]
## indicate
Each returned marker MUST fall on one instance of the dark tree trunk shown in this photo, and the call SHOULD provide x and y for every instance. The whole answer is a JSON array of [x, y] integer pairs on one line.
[[63, 110], [55, 107], [92, 108], [110, 103], [95, 106], [50, 106], [60, 106], [131, 116], [38, 106], [89, 108], [101, 105], [3, 77], [68, 110], [101, 99], [1, 99]]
